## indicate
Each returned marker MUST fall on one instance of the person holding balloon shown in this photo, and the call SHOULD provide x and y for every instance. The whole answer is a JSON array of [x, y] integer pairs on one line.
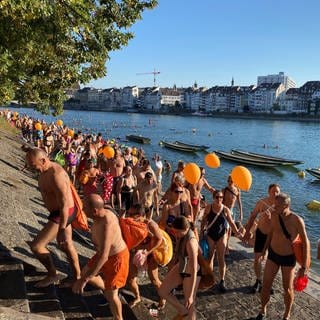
[[232, 196], [195, 192], [286, 226], [215, 222]]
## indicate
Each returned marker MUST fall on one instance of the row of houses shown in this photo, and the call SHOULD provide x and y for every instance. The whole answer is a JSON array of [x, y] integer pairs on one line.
[[273, 93]]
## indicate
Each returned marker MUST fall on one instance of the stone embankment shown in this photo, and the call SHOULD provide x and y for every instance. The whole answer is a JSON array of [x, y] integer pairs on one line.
[[22, 215]]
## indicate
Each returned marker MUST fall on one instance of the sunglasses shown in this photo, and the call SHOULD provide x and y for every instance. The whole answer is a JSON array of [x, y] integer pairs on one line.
[[178, 191], [219, 197]]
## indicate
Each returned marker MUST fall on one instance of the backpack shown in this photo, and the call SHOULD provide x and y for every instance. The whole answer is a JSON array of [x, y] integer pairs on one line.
[[163, 254], [133, 232], [81, 221]]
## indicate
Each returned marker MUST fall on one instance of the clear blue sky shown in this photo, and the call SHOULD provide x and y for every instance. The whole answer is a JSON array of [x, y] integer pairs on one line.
[[211, 41]]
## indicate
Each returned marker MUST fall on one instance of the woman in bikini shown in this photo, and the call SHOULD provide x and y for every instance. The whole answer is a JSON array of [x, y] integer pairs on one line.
[[186, 271], [173, 208], [125, 188], [215, 219]]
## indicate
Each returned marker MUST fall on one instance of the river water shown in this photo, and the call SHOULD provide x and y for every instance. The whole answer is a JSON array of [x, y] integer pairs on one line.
[[289, 139]]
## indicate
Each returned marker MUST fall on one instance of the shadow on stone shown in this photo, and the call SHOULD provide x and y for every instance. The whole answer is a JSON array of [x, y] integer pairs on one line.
[[29, 184], [10, 165]]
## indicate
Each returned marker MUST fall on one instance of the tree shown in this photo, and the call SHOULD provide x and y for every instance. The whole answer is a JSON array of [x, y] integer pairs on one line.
[[48, 46]]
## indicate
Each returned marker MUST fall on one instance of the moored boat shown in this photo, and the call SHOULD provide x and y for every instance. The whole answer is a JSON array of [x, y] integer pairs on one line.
[[175, 146], [139, 139], [196, 146], [282, 161], [246, 160], [314, 172]]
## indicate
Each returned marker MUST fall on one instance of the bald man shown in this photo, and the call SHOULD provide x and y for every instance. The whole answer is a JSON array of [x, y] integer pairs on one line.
[[54, 185], [111, 259]]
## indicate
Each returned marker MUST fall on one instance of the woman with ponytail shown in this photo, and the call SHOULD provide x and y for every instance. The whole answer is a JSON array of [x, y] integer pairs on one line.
[[185, 272]]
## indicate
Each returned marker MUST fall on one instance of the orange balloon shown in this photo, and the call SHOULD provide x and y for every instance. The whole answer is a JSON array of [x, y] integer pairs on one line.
[[108, 152], [212, 160], [192, 173], [70, 133], [38, 126], [241, 177], [59, 123]]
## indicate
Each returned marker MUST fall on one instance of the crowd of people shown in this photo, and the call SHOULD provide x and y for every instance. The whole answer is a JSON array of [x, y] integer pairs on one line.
[[126, 185]]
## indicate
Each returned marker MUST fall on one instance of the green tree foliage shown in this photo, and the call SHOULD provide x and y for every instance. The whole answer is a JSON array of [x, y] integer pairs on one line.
[[48, 46]]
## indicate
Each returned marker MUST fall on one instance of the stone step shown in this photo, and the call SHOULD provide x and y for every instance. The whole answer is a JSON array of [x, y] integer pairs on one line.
[[99, 306], [11, 314], [42, 301], [73, 305], [12, 289]]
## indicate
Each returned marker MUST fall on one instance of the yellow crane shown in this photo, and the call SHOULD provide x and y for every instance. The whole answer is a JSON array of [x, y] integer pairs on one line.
[[154, 72]]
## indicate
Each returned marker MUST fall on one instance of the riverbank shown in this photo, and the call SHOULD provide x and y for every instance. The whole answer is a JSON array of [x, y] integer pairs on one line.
[[225, 115], [23, 215]]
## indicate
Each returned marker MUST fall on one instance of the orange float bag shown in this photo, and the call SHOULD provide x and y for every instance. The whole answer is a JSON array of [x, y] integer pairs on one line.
[[296, 246], [133, 232], [81, 220], [298, 251], [164, 253]]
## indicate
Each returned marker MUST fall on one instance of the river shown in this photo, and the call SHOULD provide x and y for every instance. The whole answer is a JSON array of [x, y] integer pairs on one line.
[[289, 139]]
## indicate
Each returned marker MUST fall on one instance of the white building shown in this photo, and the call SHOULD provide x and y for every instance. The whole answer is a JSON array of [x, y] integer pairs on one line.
[[277, 78], [169, 97], [264, 96], [129, 96]]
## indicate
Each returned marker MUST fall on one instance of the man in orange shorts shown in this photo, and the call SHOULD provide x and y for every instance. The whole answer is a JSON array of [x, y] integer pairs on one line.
[[111, 259]]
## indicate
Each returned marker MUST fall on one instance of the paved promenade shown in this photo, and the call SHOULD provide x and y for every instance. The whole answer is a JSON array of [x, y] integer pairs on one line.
[[22, 215]]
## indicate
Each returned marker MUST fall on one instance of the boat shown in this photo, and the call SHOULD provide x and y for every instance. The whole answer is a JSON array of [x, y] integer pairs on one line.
[[314, 172], [282, 161], [196, 146], [139, 139], [175, 146], [246, 160]]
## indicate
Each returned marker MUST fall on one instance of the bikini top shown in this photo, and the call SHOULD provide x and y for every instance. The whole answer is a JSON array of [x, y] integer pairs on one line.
[[125, 188]]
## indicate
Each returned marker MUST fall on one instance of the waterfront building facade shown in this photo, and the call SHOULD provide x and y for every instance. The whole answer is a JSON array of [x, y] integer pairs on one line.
[[274, 93], [277, 78]]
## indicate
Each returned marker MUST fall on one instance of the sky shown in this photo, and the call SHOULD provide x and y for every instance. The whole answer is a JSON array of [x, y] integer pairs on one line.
[[212, 41]]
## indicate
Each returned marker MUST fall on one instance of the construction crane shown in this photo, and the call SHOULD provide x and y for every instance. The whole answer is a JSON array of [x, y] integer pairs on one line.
[[154, 72]]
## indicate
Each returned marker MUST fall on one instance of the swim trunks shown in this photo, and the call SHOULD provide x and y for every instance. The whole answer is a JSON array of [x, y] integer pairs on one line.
[[54, 216], [115, 271], [260, 241], [283, 261]]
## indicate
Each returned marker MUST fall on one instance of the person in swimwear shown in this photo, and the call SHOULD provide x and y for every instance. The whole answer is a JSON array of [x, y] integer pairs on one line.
[[147, 195], [152, 241], [174, 208], [125, 188], [263, 211], [215, 219], [111, 258], [231, 196], [93, 174], [186, 271], [195, 192], [54, 185], [280, 253]]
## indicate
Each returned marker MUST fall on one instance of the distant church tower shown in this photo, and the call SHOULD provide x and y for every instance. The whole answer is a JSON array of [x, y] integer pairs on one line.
[[232, 82], [195, 85]]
